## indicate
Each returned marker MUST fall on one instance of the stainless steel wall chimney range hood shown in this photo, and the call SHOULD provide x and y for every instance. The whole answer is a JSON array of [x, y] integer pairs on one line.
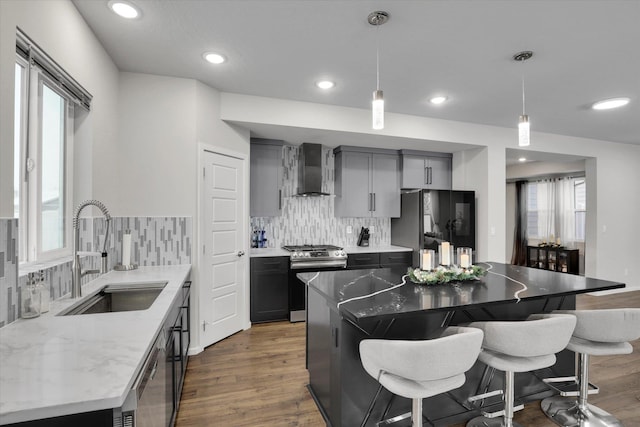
[[310, 170]]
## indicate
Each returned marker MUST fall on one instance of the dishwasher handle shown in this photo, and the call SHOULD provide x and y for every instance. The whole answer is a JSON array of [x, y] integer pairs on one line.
[[148, 371]]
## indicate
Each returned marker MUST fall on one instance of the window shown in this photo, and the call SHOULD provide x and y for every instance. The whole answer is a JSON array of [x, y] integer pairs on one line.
[[580, 212], [557, 207], [46, 101]]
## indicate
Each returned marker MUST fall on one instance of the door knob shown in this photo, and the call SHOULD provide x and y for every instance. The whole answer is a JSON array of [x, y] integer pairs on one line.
[[240, 253]]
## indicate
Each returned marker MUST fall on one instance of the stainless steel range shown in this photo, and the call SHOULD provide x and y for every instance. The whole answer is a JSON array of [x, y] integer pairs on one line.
[[316, 256], [309, 258]]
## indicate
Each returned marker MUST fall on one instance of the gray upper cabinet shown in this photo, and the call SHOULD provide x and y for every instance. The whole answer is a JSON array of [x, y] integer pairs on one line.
[[266, 176], [367, 182], [426, 170]]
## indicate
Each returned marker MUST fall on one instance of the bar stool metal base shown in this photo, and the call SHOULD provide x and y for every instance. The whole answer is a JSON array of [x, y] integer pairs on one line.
[[567, 413], [490, 422]]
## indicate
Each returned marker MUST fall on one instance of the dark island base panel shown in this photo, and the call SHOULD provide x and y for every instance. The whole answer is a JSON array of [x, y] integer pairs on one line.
[[343, 390]]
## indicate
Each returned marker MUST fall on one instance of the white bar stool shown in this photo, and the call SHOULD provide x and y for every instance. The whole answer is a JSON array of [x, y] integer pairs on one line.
[[597, 333], [519, 347], [420, 369]]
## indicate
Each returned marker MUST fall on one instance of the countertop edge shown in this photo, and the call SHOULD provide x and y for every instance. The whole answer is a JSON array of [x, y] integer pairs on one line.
[[279, 252]]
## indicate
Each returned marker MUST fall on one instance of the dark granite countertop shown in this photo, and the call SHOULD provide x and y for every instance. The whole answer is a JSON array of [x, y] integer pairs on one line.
[[387, 292]]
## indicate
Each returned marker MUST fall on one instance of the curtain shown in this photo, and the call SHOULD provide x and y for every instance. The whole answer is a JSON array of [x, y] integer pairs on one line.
[[556, 210], [565, 225], [546, 209], [519, 256]]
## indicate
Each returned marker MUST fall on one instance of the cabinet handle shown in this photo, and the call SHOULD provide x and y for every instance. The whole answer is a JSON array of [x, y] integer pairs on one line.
[[369, 208], [426, 174], [374, 201], [279, 199], [430, 175], [187, 284]]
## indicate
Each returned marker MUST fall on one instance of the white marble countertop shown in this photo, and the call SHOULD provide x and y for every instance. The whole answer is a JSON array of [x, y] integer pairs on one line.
[[273, 252], [60, 365], [370, 249]]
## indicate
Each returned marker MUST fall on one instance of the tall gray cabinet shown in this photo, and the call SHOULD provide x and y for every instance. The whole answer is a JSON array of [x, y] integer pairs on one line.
[[367, 182], [266, 176]]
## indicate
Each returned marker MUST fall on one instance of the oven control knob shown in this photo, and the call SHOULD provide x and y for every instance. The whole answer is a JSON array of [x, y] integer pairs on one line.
[[307, 254]]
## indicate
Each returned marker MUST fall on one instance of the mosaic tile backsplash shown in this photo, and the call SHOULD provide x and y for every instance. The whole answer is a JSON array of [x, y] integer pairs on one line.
[[154, 241], [311, 220], [8, 270]]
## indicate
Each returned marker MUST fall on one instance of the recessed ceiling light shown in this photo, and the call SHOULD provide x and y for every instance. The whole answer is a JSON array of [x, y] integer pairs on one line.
[[325, 84], [438, 99], [124, 9], [608, 104], [214, 58], [522, 159]]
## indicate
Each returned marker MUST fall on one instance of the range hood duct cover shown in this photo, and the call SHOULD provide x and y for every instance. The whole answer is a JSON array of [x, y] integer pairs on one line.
[[310, 170]]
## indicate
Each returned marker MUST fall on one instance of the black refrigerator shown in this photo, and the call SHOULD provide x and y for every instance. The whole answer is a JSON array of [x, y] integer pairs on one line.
[[428, 217]]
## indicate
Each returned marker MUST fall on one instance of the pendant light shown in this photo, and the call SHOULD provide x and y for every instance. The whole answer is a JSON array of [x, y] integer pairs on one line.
[[524, 138], [377, 105]]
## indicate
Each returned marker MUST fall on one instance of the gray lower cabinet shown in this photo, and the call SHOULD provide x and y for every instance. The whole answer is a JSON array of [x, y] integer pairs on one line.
[[367, 183], [269, 299], [266, 174], [392, 259], [379, 260], [178, 338], [426, 170], [365, 260]]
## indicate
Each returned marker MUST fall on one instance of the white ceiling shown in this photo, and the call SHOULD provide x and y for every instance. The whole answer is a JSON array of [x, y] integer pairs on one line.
[[584, 51]]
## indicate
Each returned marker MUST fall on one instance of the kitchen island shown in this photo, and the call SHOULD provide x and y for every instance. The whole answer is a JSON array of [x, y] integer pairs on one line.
[[345, 307]]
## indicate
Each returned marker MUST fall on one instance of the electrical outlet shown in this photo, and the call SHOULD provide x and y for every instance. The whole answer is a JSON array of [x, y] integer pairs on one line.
[[349, 229], [372, 229]]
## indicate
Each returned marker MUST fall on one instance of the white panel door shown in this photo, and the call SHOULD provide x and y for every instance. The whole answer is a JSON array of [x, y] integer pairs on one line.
[[222, 285]]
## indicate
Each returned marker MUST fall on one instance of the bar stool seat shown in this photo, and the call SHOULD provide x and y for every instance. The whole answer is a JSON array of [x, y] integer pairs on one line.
[[519, 347], [420, 369], [598, 333]]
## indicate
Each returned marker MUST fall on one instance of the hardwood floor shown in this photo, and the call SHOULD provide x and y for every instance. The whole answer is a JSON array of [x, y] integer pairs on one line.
[[257, 378]]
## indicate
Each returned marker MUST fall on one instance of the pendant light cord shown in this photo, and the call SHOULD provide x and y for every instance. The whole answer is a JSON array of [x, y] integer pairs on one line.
[[523, 110], [377, 56]]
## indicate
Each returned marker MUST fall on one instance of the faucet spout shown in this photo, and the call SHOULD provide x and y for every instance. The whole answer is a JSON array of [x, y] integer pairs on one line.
[[76, 274]]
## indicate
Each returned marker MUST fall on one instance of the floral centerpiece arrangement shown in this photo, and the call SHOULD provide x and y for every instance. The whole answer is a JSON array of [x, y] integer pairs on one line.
[[442, 274]]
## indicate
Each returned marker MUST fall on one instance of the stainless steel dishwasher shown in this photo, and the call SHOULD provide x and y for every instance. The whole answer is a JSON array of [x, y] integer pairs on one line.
[[147, 404]]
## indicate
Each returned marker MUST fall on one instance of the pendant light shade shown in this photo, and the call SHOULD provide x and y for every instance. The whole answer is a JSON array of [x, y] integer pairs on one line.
[[524, 134], [377, 110], [523, 131], [377, 105]]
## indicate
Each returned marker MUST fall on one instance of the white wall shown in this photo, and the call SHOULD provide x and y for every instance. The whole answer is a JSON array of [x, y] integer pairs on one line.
[[157, 146], [57, 27], [541, 169], [616, 169]]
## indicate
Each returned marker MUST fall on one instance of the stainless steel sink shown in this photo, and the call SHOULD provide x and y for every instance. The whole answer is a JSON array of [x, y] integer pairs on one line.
[[118, 297]]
